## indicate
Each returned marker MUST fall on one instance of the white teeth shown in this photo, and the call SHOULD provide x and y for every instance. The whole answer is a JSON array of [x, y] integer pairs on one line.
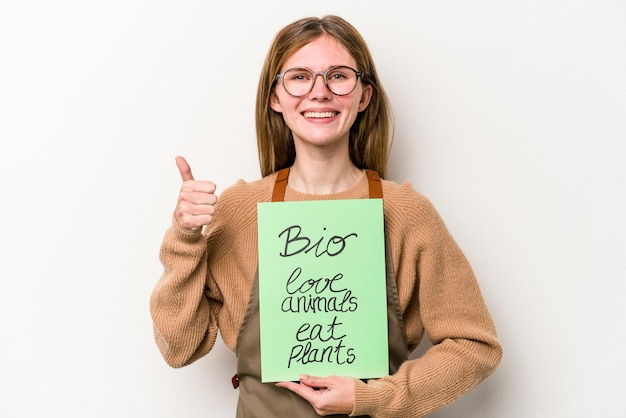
[[319, 114]]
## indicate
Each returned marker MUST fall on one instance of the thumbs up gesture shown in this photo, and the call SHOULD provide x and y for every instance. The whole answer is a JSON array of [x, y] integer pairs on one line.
[[196, 200]]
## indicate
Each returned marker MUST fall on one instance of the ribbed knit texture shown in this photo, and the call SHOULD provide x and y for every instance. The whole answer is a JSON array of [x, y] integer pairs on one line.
[[208, 276]]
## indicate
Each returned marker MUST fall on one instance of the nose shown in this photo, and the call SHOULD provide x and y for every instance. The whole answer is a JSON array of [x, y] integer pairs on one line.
[[319, 88]]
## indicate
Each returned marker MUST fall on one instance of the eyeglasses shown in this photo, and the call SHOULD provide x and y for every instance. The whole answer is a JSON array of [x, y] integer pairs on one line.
[[340, 80]]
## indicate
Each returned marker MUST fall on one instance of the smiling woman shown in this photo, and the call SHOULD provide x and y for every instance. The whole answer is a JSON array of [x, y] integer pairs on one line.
[[323, 131], [318, 117]]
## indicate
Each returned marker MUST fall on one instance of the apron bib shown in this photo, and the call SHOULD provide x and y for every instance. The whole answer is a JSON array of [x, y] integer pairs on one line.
[[265, 400]]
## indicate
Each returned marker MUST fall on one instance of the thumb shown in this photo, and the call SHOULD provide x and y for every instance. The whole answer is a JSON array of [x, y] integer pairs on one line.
[[184, 169]]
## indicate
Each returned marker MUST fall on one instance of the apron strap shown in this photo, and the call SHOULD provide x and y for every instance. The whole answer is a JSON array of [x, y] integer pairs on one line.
[[280, 185], [376, 187], [373, 179]]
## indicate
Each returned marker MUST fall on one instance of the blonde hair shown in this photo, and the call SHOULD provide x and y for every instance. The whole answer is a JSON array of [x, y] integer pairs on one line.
[[371, 133]]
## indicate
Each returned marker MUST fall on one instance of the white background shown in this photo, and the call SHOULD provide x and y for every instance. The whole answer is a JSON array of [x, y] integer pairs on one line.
[[511, 118]]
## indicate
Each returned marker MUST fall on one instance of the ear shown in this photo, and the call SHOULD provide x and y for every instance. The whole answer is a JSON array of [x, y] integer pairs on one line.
[[275, 103], [366, 96]]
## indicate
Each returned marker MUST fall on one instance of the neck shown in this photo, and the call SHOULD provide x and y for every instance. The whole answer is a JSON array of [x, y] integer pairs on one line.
[[323, 177]]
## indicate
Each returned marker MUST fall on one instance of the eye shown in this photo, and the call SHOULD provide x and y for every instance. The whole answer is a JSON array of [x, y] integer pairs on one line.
[[339, 74], [298, 74]]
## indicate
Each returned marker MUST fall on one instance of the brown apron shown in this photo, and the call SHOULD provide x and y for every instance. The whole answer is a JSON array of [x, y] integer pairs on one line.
[[265, 400]]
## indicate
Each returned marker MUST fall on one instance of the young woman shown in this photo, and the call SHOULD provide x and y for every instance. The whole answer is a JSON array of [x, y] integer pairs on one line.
[[323, 127]]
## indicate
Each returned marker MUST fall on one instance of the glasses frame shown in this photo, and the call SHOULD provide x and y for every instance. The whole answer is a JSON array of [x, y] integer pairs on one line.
[[314, 75]]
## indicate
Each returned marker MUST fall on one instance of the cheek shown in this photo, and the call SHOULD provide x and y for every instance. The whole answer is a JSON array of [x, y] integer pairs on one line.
[[354, 105], [281, 102]]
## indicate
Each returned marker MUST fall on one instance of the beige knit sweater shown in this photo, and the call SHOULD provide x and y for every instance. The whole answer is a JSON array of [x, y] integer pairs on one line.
[[207, 280]]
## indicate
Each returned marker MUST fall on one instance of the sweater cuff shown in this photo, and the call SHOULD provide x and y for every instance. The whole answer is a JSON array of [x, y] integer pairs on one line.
[[365, 402]]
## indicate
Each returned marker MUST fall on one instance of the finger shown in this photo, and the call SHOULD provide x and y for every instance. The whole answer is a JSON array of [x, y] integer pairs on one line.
[[192, 223], [327, 395], [314, 382], [303, 391], [194, 209], [183, 168], [198, 193]]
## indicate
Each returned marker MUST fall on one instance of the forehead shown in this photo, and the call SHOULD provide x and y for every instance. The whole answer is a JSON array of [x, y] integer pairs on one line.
[[320, 54]]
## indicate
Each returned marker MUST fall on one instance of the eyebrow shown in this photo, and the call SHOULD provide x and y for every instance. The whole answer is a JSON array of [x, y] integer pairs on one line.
[[300, 67]]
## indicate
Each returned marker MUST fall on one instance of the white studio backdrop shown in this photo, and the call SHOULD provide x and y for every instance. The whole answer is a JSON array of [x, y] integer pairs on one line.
[[511, 118]]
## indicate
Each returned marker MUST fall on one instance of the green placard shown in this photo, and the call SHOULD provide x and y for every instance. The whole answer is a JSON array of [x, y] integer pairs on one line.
[[322, 289]]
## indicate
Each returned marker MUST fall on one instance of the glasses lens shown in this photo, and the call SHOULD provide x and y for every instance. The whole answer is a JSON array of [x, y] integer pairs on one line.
[[341, 80], [297, 81]]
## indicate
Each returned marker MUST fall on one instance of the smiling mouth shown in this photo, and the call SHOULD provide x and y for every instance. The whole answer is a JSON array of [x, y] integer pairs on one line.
[[319, 115]]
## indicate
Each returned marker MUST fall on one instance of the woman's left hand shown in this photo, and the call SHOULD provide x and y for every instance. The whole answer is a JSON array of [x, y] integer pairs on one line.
[[327, 395]]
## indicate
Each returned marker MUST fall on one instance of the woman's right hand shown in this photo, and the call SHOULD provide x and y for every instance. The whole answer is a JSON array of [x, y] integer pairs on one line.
[[196, 200]]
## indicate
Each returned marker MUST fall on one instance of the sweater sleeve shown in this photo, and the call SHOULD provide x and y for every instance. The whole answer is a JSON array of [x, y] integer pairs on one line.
[[465, 348], [185, 327]]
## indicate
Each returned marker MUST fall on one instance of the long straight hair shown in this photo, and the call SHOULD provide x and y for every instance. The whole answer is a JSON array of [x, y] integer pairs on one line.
[[372, 132]]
